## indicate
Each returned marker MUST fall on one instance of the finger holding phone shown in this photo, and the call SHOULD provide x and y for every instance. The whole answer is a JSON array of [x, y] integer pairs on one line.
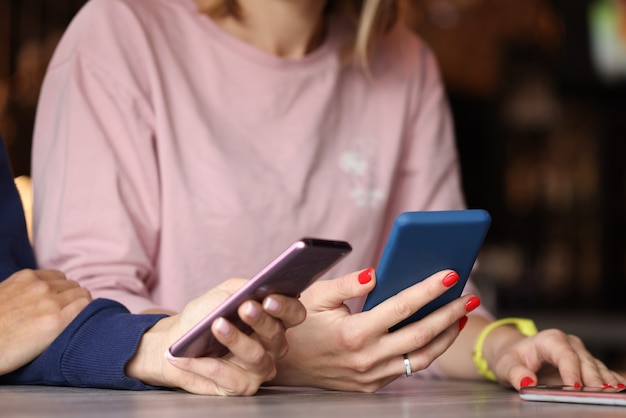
[[359, 353], [250, 361], [404, 326]]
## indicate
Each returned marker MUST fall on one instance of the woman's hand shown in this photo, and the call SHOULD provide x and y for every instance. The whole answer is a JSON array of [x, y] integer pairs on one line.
[[335, 349], [35, 307], [251, 361], [524, 361]]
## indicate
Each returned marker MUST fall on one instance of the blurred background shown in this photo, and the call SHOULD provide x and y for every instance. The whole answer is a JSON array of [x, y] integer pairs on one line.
[[538, 94]]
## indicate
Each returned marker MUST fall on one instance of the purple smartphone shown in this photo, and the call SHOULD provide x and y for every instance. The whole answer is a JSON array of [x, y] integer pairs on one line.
[[289, 274]]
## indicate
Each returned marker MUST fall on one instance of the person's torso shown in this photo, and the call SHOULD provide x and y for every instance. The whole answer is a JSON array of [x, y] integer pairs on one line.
[[255, 151]]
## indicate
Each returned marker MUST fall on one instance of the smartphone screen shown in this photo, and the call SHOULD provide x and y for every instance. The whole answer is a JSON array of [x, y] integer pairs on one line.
[[423, 243], [289, 274], [571, 394]]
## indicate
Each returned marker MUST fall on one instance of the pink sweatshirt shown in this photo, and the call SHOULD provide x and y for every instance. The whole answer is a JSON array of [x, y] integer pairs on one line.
[[170, 156]]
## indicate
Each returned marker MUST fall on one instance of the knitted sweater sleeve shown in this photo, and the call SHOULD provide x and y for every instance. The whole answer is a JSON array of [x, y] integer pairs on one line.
[[91, 352], [15, 250]]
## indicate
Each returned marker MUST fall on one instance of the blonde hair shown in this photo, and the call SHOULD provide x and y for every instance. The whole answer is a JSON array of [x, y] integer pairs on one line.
[[372, 19]]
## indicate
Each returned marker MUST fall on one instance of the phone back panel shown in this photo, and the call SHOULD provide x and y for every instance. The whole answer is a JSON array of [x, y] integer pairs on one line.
[[423, 243]]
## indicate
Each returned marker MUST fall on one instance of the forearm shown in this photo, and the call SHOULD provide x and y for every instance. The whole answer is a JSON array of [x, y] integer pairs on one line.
[[158, 311], [457, 360]]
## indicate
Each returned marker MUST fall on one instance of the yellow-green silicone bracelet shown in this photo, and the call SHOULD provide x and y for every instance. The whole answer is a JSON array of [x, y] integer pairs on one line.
[[524, 325]]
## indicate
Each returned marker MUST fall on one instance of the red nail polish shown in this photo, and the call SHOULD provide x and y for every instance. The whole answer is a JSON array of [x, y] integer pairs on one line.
[[526, 381], [621, 385], [472, 304], [462, 323], [606, 386], [451, 279], [365, 276], [577, 385]]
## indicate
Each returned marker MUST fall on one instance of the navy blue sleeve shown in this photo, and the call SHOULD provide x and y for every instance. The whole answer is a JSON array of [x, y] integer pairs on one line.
[[94, 349], [15, 250], [91, 352]]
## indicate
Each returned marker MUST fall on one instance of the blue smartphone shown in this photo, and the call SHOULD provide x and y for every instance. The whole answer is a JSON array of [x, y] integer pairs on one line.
[[423, 243]]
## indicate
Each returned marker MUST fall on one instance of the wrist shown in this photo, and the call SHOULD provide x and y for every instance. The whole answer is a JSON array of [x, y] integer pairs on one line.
[[148, 362], [496, 338]]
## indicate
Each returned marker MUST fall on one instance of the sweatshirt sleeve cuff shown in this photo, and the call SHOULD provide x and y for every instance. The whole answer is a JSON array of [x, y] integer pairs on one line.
[[92, 351]]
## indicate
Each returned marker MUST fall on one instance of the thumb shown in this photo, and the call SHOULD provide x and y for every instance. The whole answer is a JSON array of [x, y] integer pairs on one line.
[[331, 294], [188, 367]]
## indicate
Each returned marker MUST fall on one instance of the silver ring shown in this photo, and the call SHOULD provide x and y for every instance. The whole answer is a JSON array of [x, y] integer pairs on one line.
[[407, 366]]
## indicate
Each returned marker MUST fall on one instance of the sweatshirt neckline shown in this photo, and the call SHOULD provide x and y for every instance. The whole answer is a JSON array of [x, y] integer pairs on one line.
[[327, 49]]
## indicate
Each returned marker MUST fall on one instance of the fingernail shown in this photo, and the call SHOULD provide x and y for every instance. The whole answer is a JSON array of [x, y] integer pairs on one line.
[[526, 381], [577, 385], [223, 327], [472, 304], [462, 323], [365, 276], [606, 386], [271, 305], [451, 279], [621, 385], [251, 310]]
